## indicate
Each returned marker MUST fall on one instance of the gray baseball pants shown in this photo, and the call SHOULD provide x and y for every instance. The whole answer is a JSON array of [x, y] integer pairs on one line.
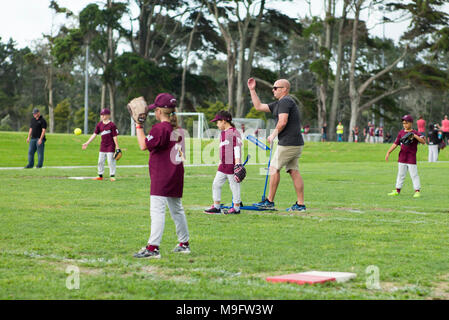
[[220, 179], [158, 205], [111, 162], [402, 172]]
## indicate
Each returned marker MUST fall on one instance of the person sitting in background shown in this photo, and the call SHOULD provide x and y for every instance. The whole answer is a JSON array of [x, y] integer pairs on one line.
[[388, 138]]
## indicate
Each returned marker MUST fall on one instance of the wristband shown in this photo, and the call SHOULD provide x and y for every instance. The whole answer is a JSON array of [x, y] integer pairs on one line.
[[138, 126]]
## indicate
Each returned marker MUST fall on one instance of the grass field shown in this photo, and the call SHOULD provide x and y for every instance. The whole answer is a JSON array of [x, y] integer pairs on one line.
[[49, 223]]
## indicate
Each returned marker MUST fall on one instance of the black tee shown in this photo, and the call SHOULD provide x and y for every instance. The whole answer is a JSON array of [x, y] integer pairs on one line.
[[37, 126], [433, 137], [291, 135]]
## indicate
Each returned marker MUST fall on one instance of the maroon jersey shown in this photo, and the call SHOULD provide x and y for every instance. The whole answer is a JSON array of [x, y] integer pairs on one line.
[[165, 164], [229, 139], [107, 133], [408, 152]]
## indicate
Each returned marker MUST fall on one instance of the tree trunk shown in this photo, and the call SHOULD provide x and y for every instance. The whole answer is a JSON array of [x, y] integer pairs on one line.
[[356, 93], [109, 59], [336, 92], [245, 66], [353, 92], [111, 89], [103, 96], [186, 64], [51, 114], [322, 91]]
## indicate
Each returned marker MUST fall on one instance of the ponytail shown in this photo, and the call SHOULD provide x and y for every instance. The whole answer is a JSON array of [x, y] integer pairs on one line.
[[171, 114]]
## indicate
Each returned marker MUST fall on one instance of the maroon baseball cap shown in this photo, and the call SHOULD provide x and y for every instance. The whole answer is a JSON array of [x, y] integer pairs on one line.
[[220, 116], [163, 100], [105, 111], [407, 118]]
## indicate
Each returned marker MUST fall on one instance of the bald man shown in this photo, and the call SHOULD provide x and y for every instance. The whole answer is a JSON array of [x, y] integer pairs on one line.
[[290, 145]]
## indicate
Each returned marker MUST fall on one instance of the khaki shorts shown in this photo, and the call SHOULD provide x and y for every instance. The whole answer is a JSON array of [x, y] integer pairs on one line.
[[287, 156]]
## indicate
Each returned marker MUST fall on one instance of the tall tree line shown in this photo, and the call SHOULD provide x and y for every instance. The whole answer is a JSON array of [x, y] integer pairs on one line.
[[203, 52]]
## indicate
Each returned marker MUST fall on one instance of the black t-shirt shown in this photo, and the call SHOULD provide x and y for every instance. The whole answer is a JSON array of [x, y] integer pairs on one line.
[[291, 135], [37, 126], [433, 137]]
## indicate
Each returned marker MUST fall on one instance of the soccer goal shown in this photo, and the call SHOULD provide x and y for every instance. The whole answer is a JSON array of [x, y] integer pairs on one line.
[[194, 122]]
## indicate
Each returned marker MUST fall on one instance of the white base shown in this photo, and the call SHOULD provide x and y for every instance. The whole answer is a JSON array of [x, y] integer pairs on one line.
[[339, 276]]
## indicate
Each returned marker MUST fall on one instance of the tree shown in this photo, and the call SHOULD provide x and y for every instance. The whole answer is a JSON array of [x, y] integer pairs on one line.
[[241, 24], [96, 29], [332, 123], [356, 91]]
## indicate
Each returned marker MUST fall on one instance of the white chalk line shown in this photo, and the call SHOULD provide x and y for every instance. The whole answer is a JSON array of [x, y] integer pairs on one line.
[[124, 166]]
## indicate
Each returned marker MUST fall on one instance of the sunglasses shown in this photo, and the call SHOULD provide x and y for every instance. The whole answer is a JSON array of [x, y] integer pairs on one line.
[[275, 88]]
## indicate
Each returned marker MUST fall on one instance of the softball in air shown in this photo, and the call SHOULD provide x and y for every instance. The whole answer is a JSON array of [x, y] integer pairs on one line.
[[77, 131]]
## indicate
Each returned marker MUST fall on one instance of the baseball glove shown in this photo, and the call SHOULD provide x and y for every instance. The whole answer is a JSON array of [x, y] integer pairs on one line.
[[117, 154], [407, 138], [138, 109], [239, 173]]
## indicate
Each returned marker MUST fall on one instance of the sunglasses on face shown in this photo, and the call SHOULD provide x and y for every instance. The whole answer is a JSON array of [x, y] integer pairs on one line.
[[275, 88]]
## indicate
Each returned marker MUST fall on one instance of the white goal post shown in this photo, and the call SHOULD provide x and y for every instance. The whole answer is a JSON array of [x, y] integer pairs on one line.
[[200, 129]]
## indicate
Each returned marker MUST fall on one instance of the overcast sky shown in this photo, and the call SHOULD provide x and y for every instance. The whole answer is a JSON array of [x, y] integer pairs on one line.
[[27, 20]]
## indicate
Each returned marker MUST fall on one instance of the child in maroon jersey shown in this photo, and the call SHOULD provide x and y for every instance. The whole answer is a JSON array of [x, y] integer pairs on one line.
[[109, 143], [230, 154], [407, 157], [166, 144]]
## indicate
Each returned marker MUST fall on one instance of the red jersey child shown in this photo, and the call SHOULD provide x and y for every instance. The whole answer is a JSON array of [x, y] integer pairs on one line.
[[407, 157], [166, 145], [230, 155], [109, 143]]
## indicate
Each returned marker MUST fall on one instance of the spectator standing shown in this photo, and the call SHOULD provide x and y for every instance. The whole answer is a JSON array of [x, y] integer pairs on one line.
[[421, 123], [366, 132], [36, 139], [381, 134], [324, 132], [340, 130], [355, 133], [445, 129], [371, 133], [433, 141]]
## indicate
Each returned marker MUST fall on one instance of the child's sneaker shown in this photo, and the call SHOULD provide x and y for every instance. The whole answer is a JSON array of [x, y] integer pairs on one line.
[[182, 248], [111, 179], [145, 253], [212, 210], [394, 193], [417, 194], [97, 178], [232, 211]]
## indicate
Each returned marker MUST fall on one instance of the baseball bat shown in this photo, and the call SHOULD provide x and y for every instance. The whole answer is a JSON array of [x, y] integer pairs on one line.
[[254, 140]]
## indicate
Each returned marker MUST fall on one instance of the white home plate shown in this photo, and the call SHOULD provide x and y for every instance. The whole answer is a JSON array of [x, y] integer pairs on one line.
[[339, 276], [81, 178]]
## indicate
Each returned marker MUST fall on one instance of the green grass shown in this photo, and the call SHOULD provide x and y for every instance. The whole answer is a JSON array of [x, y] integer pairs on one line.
[[49, 222]]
